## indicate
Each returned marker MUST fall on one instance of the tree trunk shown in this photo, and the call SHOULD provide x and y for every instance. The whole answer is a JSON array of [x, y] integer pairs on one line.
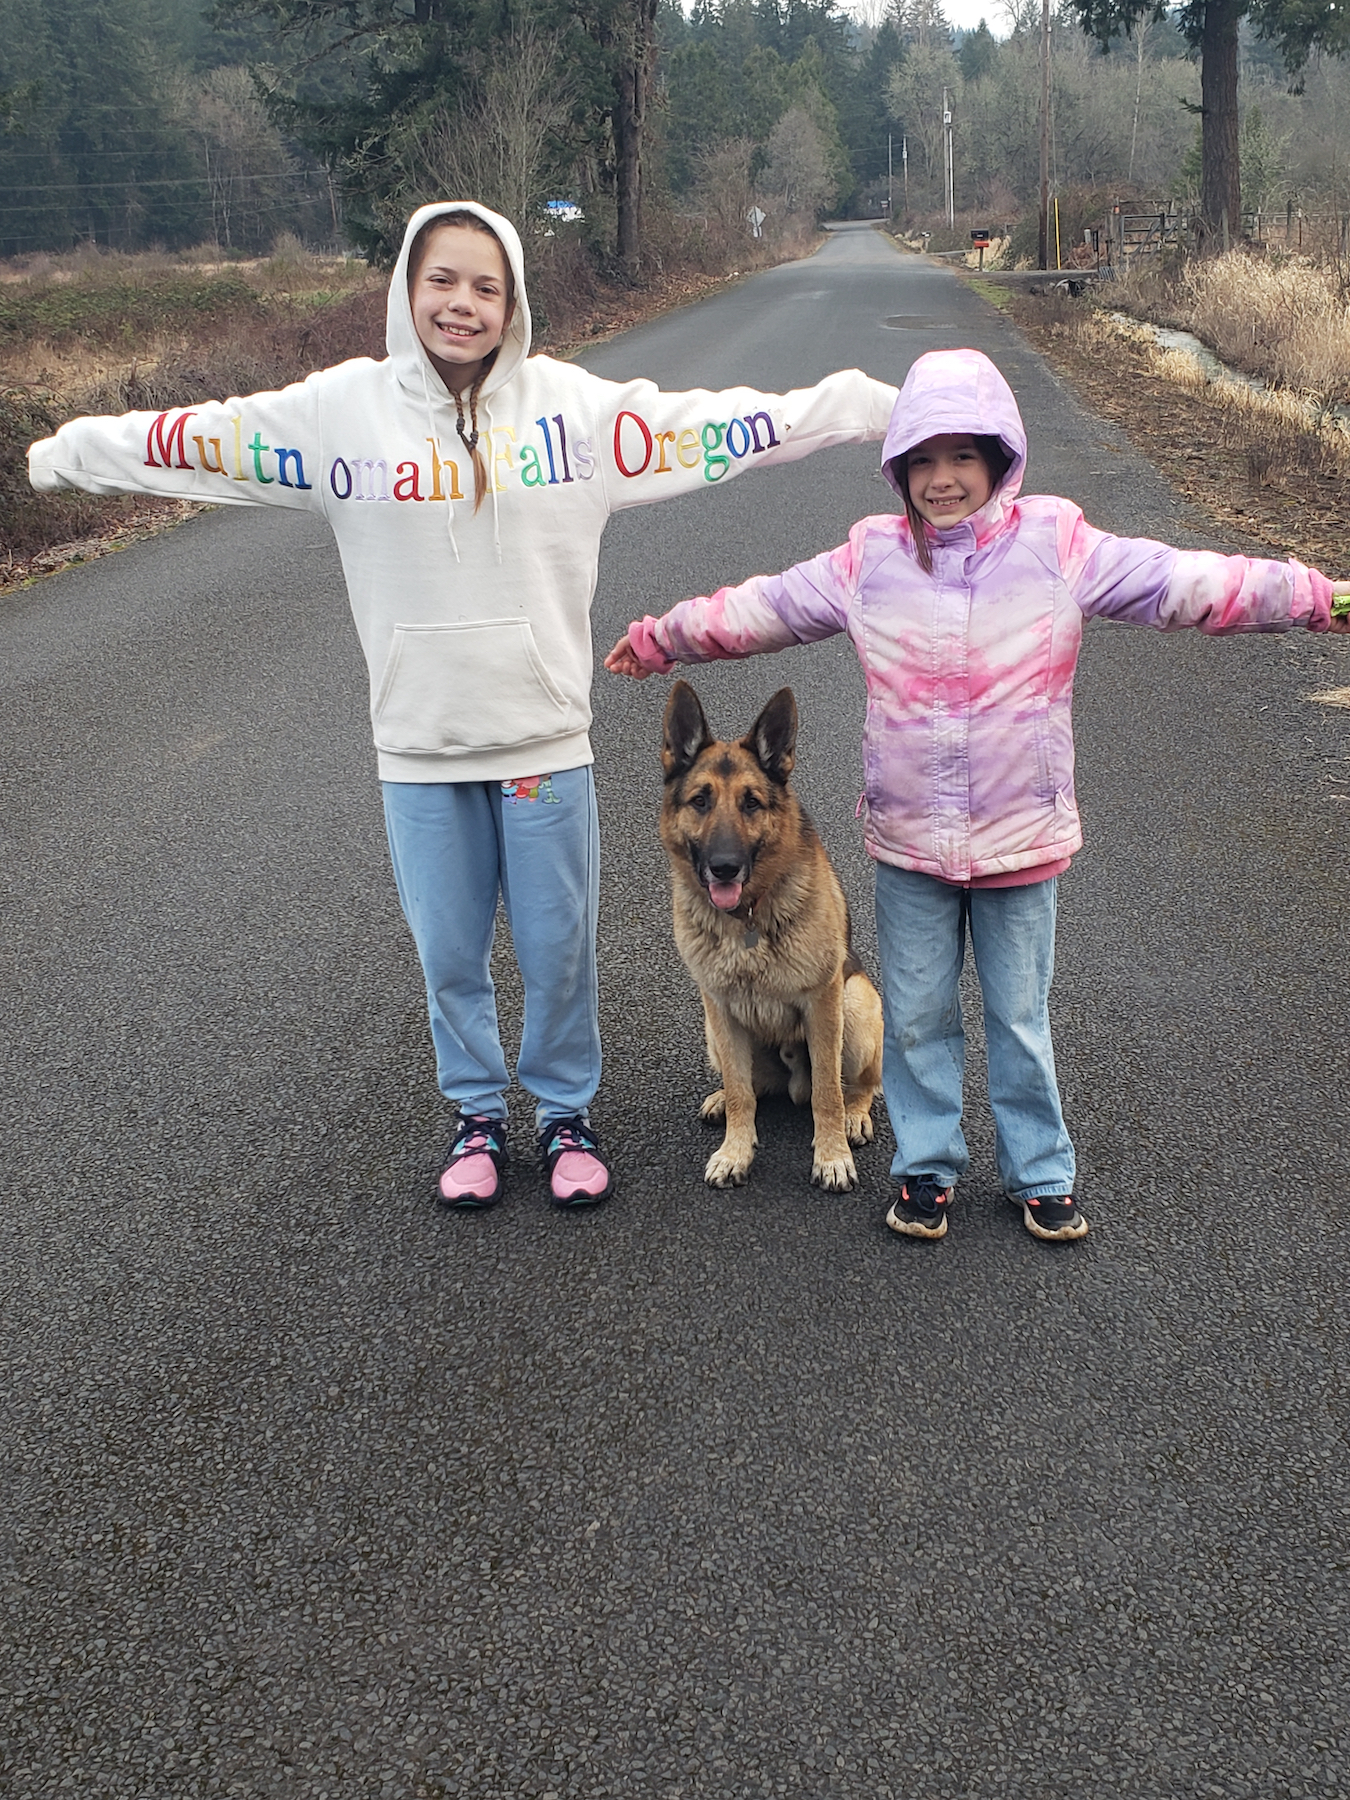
[[633, 80], [1220, 164]]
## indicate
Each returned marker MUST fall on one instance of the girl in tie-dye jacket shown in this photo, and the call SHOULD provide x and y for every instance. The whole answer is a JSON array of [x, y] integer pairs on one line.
[[967, 613]]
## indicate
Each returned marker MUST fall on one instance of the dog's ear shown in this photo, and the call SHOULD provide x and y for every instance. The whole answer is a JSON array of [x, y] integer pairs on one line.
[[772, 739], [686, 731]]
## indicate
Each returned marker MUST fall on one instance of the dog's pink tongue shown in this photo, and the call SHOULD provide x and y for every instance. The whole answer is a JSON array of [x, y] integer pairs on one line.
[[725, 895]]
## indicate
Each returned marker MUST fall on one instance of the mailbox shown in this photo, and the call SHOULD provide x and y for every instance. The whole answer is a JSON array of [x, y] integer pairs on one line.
[[980, 239]]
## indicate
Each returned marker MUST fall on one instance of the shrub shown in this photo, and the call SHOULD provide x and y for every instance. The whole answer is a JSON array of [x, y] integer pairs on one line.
[[1281, 318], [117, 310], [196, 336], [31, 522]]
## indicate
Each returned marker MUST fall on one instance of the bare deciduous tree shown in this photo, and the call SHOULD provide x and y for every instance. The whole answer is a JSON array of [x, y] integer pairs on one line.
[[503, 145], [914, 99], [724, 191], [250, 175], [797, 176]]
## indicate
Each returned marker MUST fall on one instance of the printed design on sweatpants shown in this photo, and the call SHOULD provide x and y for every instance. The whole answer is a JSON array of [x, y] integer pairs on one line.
[[530, 787]]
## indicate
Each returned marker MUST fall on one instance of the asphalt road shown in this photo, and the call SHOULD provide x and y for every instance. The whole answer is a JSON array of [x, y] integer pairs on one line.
[[311, 1489]]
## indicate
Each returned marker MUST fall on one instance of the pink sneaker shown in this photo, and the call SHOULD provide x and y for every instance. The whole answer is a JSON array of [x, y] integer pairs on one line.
[[578, 1174], [472, 1178]]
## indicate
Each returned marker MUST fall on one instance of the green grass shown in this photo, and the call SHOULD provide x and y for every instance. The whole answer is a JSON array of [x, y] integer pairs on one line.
[[121, 310], [991, 291], [117, 302]]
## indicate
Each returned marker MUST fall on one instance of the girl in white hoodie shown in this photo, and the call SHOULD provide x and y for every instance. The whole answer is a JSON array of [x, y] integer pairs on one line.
[[468, 484]]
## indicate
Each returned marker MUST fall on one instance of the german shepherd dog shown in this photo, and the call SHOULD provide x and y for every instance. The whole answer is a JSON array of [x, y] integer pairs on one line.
[[762, 926]]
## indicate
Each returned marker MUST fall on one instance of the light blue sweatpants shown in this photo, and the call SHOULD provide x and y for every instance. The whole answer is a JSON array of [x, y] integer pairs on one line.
[[455, 845]]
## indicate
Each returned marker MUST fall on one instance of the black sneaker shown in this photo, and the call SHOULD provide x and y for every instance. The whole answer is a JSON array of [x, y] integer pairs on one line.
[[921, 1209], [1052, 1217]]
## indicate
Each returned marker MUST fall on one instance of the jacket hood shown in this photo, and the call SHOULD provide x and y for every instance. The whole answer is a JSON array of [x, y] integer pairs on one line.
[[958, 390], [410, 362]]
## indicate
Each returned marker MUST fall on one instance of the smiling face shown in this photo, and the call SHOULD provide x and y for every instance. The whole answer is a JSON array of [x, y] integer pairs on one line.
[[948, 478], [461, 301]]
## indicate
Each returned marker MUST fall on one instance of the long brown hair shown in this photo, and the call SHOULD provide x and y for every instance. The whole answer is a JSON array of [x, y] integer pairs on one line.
[[417, 252], [993, 454]]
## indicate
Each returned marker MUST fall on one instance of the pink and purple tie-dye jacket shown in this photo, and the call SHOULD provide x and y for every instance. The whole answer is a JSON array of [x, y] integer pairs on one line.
[[968, 740]]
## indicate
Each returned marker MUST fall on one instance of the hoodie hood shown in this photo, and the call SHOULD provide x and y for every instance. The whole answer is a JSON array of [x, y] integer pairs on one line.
[[958, 390], [411, 364]]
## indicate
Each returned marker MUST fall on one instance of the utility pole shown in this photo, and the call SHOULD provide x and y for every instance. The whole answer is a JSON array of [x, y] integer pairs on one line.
[[1044, 233], [947, 157], [904, 164], [890, 179]]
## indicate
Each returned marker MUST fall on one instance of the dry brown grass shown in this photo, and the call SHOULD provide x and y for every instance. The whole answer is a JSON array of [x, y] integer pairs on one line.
[[1280, 432], [1269, 474], [1283, 318], [91, 333]]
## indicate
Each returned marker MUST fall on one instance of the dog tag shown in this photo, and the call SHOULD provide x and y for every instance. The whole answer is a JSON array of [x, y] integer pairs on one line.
[[751, 936]]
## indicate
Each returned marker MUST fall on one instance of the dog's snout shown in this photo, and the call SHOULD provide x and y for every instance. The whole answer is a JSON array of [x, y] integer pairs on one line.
[[723, 869]]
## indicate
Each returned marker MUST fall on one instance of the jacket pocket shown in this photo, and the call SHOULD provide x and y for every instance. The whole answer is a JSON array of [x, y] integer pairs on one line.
[[1046, 785], [481, 685]]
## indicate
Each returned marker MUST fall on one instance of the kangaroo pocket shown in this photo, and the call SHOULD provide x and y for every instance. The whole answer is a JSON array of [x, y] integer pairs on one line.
[[481, 685]]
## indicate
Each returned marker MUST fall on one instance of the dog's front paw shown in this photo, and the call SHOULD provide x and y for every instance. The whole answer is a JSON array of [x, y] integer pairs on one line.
[[714, 1109], [836, 1174], [728, 1167], [858, 1127]]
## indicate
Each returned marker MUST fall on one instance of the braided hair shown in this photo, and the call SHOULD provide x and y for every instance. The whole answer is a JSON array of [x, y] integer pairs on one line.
[[417, 250], [469, 439]]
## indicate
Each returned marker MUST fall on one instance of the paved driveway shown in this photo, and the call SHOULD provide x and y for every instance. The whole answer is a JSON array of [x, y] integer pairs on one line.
[[313, 1490]]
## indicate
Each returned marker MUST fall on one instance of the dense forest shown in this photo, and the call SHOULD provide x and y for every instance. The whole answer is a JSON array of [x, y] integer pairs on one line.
[[138, 123]]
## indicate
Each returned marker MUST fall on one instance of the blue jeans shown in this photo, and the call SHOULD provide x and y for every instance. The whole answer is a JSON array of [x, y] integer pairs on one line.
[[921, 933], [454, 846]]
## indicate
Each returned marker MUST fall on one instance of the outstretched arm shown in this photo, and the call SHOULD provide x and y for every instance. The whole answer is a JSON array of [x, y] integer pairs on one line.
[[651, 445], [261, 449], [1140, 582], [769, 612]]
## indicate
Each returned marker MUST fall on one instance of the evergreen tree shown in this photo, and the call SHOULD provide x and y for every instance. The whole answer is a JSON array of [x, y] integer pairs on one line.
[[1299, 27], [93, 148], [977, 54], [745, 64], [1262, 164], [701, 107], [922, 22], [863, 120], [361, 78]]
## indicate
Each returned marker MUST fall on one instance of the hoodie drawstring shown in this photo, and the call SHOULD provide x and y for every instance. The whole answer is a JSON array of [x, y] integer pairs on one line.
[[492, 481], [434, 437]]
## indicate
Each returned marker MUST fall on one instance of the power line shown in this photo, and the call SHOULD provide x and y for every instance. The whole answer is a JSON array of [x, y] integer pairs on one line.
[[154, 147], [87, 189]]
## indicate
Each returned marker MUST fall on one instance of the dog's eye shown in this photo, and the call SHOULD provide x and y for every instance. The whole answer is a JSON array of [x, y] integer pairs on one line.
[[700, 801], [751, 803]]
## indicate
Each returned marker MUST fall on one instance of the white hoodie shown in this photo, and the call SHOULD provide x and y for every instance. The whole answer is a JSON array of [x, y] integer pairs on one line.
[[475, 627]]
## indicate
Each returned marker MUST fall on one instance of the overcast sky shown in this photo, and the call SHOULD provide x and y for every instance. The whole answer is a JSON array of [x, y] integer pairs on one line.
[[965, 15]]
